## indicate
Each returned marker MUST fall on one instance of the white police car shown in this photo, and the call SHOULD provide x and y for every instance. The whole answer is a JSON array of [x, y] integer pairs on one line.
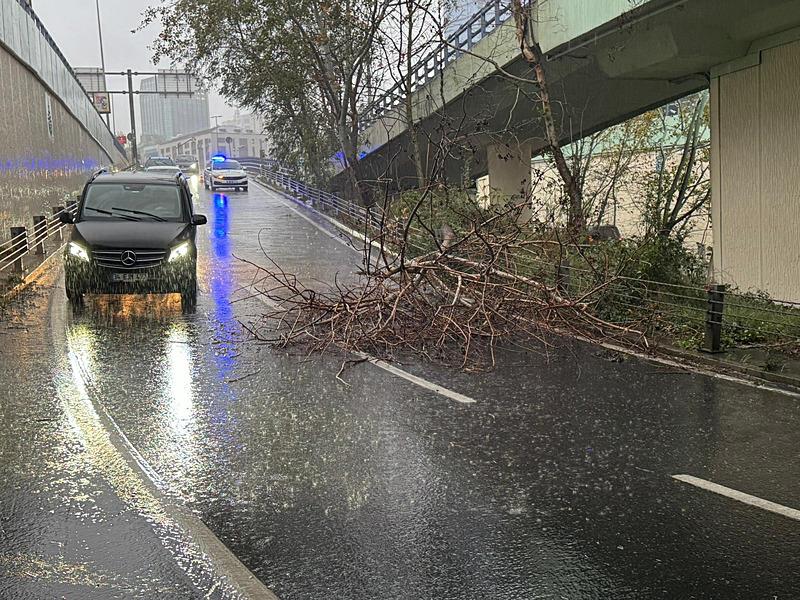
[[221, 172]]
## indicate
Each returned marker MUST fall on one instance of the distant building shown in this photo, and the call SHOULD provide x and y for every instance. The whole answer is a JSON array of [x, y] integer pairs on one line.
[[93, 81], [246, 122], [233, 142], [167, 116]]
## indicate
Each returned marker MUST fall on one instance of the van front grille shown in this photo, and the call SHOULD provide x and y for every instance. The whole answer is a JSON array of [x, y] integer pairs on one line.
[[144, 258]]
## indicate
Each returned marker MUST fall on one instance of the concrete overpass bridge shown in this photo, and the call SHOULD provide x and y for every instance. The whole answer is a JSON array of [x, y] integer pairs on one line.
[[609, 61]]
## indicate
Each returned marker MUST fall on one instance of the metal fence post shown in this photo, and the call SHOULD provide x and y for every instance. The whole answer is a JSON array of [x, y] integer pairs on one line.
[[39, 233], [71, 206], [18, 246], [562, 277], [57, 210], [712, 341]]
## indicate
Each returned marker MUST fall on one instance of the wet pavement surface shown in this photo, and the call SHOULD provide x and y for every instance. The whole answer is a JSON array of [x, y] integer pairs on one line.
[[555, 483]]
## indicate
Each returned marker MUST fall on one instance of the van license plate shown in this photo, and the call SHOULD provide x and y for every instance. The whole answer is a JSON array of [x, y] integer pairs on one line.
[[128, 277]]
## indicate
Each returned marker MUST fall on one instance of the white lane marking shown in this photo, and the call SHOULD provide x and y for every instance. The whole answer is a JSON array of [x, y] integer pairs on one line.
[[225, 567], [381, 364], [424, 383], [199, 552], [773, 507]]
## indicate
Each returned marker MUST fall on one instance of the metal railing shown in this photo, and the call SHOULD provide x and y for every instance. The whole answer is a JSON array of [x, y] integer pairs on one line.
[[324, 201], [484, 22], [25, 243]]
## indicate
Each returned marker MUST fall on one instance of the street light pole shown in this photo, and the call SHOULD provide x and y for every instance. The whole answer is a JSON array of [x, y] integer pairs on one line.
[[102, 52]]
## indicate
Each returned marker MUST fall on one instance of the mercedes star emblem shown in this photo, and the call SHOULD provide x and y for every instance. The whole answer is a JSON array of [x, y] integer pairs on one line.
[[128, 258]]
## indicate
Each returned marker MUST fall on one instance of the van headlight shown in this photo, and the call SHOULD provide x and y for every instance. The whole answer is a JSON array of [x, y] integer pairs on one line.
[[179, 251], [78, 251]]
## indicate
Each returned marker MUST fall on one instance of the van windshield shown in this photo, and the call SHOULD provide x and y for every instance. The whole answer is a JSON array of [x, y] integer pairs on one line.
[[133, 201]]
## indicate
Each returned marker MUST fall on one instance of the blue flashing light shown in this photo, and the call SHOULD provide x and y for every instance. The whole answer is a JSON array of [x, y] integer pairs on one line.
[[218, 158]]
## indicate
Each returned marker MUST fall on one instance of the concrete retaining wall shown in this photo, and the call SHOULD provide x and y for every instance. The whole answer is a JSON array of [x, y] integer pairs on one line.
[[51, 137]]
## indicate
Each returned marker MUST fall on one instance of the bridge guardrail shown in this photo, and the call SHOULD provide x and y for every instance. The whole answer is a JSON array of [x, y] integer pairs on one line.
[[24, 242], [321, 199], [493, 14]]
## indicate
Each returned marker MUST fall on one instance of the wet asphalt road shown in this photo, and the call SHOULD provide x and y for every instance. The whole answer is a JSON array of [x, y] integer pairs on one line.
[[555, 483]]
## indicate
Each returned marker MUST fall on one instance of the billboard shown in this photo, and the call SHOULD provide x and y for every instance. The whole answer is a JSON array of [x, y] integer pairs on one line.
[[93, 81], [101, 102], [175, 81]]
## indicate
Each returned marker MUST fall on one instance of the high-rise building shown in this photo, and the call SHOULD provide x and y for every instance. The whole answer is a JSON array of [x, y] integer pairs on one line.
[[184, 110]]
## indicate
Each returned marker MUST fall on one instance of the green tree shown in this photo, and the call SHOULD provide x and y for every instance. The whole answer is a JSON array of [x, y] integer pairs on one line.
[[679, 188], [306, 61]]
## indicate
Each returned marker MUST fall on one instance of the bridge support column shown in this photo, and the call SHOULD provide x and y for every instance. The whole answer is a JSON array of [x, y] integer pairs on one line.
[[755, 171], [509, 172]]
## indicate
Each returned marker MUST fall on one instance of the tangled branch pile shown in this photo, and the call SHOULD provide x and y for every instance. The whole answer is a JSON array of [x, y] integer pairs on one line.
[[452, 304]]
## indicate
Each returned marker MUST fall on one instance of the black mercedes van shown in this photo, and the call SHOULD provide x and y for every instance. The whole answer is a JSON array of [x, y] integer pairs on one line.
[[133, 233]]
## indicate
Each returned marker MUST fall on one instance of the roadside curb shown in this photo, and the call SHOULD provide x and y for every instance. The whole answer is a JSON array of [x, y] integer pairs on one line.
[[749, 371], [694, 361], [33, 276]]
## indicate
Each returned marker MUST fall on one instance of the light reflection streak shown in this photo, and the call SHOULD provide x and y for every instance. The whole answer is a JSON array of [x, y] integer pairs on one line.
[[222, 287], [179, 374], [102, 456]]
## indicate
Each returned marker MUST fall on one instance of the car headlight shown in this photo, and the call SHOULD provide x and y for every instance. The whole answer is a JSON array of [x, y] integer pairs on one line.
[[220, 177], [193, 166], [179, 251], [78, 251]]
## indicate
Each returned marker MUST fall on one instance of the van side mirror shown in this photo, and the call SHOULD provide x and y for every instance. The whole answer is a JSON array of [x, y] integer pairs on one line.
[[199, 220], [66, 218]]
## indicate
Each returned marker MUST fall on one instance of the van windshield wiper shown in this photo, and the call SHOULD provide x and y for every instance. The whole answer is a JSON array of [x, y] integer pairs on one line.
[[140, 212], [108, 212]]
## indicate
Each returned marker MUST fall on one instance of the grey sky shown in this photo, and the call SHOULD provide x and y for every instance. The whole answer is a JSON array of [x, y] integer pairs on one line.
[[73, 25]]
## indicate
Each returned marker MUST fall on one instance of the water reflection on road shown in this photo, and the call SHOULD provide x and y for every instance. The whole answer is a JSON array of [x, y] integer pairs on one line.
[[555, 484]]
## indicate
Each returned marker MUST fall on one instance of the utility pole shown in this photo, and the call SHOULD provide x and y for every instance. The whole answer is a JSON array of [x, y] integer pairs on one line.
[[216, 131], [134, 141]]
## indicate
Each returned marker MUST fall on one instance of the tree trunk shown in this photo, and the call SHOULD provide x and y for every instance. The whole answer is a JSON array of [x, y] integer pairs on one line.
[[532, 53], [409, 104]]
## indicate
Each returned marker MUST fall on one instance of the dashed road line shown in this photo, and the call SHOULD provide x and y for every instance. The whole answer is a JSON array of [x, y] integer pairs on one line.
[[396, 371], [773, 507], [615, 347], [434, 387]]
